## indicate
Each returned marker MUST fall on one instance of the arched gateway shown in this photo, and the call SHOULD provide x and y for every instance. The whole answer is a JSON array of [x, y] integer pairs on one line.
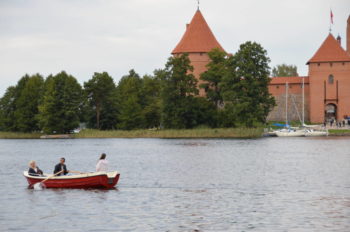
[[330, 112]]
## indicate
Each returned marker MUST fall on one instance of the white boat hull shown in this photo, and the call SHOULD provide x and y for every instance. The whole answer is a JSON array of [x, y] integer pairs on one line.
[[290, 133]]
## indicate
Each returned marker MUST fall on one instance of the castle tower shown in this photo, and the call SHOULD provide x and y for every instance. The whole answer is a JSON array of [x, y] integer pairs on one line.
[[329, 82], [197, 41], [348, 36]]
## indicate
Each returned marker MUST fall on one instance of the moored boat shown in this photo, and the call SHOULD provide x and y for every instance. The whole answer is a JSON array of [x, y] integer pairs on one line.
[[104, 180], [290, 133]]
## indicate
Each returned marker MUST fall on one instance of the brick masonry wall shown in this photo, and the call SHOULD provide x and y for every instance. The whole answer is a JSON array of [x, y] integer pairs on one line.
[[295, 106]]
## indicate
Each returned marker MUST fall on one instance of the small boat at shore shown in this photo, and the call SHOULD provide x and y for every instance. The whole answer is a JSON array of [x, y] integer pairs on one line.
[[290, 133], [105, 180]]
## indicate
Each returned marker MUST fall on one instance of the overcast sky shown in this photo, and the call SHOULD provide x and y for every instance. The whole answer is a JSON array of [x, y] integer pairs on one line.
[[87, 36]]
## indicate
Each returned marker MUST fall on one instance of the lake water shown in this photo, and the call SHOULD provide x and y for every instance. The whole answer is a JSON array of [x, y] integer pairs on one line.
[[267, 184]]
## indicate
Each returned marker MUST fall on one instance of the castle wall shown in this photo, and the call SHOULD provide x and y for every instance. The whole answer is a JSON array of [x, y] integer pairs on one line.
[[295, 102], [295, 107]]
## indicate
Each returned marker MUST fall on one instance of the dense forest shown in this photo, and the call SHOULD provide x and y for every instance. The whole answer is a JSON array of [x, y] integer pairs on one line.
[[236, 89]]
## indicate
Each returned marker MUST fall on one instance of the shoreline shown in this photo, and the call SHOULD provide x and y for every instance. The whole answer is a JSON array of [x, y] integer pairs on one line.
[[229, 133], [146, 133]]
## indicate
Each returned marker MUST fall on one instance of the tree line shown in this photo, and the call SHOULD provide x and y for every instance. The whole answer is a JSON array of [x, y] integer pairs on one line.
[[236, 88]]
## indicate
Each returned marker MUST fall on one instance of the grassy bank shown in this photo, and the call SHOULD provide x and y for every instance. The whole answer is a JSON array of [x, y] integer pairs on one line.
[[339, 132], [193, 133], [16, 135]]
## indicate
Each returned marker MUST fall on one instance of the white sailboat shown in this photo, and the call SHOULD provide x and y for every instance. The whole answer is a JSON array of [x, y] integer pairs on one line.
[[288, 131]]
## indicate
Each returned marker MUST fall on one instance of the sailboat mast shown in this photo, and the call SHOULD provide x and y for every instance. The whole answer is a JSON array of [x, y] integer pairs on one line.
[[286, 103]]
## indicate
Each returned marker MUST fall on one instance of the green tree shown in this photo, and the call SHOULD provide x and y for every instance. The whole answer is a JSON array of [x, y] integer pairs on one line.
[[28, 98], [179, 88], [245, 87], [217, 69], [16, 95], [7, 110], [62, 101], [19, 106], [151, 104], [130, 102], [101, 95], [284, 70]]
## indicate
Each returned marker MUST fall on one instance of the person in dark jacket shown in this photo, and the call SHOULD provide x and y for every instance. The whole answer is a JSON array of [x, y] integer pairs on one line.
[[61, 166], [34, 170]]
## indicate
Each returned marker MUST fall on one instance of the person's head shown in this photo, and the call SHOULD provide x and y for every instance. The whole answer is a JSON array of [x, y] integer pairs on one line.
[[62, 160], [103, 156], [32, 164]]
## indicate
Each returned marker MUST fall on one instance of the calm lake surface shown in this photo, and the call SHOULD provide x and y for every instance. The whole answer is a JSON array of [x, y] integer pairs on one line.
[[268, 184]]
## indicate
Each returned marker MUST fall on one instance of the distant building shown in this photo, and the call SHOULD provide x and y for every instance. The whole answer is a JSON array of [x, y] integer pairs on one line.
[[327, 86], [197, 41]]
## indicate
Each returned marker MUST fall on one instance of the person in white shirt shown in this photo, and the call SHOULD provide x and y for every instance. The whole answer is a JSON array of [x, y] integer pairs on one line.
[[102, 164]]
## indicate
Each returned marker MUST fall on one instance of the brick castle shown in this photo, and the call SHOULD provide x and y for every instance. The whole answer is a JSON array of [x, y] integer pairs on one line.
[[326, 88]]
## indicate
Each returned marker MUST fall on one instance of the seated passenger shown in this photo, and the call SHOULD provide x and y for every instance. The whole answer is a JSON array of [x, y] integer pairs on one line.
[[102, 164], [33, 169]]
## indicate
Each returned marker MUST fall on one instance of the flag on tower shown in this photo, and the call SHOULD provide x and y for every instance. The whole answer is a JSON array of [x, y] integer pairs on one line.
[[332, 17]]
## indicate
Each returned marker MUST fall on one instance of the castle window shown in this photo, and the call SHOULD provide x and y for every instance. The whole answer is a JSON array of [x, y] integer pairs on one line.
[[277, 86], [330, 79], [318, 64], [331, 64]]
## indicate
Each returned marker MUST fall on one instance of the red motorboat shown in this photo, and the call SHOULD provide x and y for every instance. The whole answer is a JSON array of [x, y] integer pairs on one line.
[[104, 180]]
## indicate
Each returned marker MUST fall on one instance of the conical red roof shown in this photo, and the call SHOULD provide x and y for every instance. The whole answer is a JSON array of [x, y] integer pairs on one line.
[[330, 51], [198, 37]]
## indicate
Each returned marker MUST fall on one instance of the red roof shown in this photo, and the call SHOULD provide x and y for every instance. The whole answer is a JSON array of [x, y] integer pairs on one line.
[[290, 80], [330, 51], [198, 37]]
